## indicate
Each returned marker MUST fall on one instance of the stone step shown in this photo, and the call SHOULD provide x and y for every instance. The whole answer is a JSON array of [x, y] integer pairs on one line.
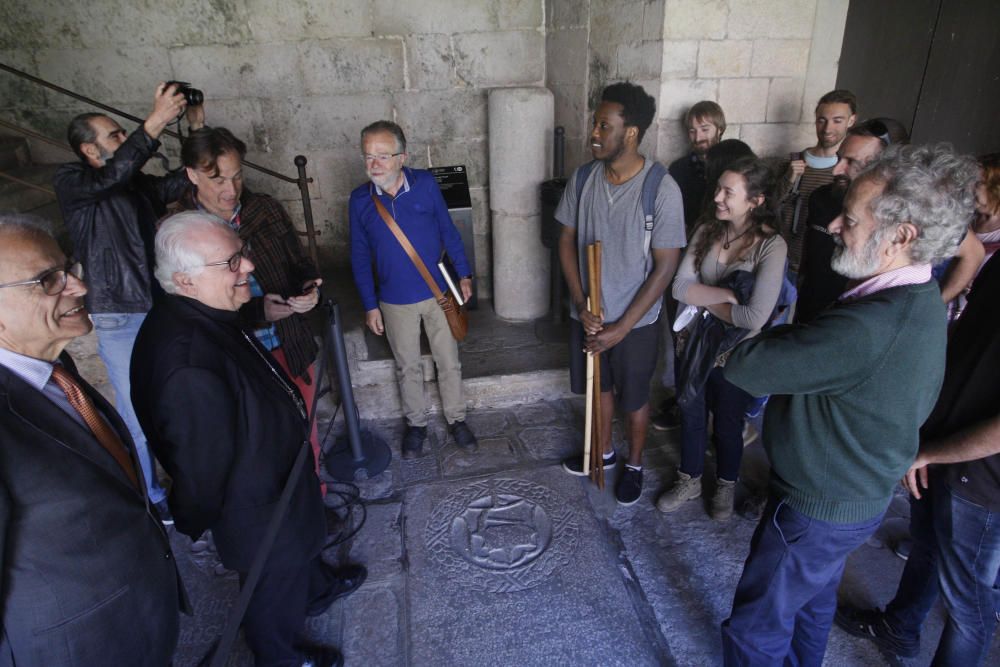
[[519, 372], [377, 395], [21, 198], [14, 152]]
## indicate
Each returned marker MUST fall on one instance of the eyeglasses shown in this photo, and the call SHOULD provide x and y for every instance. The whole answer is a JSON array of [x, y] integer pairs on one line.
[[53, 281], [234, 262], [381, 157]]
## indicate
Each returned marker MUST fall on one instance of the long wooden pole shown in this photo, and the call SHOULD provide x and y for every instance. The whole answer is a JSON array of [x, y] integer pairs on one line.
[[597, 472], [588, 419]]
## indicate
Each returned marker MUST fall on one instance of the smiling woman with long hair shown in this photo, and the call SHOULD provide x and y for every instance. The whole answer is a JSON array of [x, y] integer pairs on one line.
[[740, 234]]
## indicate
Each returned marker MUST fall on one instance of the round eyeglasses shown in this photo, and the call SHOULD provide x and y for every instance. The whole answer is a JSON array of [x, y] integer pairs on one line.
[[379, 157], [54, 280], [234, 262]]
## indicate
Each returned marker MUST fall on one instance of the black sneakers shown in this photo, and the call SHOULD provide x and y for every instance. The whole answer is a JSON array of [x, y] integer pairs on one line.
[[463, 436], [574, 464], [871, 624], [629, 486], [413, 441]]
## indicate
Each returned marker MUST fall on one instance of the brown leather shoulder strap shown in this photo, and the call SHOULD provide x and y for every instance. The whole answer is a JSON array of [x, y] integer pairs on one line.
[[408, 247]]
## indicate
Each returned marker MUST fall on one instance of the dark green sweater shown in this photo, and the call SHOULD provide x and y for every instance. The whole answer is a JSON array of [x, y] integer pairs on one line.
[[849, 392]]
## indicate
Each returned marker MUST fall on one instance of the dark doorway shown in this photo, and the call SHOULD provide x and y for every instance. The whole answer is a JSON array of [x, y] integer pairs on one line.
[[932, 64]]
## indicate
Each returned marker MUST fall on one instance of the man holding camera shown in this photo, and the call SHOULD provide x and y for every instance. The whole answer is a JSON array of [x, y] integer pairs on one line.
[[110, 208], [285, 284]]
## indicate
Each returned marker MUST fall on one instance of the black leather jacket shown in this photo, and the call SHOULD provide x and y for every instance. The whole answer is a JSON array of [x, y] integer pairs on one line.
[[111, 214]]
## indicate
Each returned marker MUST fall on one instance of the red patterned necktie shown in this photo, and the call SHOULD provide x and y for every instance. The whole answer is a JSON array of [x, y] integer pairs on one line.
[[100, 428]]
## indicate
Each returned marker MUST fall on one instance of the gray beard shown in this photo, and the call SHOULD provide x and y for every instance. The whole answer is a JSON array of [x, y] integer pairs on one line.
[[857, 265]]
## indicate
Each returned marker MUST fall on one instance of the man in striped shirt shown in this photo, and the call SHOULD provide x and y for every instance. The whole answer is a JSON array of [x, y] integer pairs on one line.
[[835, 114]]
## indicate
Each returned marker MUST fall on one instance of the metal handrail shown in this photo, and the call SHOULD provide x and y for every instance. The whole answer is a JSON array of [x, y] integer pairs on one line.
[[27, 184], [302, 180], [35, 135]]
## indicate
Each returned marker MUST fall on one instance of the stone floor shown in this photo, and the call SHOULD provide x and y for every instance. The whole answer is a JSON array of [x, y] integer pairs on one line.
[[500, 558]]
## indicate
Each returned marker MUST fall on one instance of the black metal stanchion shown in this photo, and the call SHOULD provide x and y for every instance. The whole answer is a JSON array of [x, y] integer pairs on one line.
[[357, 455]]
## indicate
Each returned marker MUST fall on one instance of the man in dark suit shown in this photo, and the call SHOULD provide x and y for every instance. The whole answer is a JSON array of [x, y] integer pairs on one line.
[[86, 573], [227, 423]]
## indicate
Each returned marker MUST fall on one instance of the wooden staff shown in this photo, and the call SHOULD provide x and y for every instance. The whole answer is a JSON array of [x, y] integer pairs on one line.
[[588, 416], [596, 457]]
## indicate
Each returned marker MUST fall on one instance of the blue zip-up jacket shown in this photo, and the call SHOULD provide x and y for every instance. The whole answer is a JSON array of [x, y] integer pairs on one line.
[[420, 211]]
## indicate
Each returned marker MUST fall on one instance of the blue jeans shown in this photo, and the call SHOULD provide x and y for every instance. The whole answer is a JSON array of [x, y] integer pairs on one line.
[[957, 545], [116, 334], [727, 403], [787, 596]]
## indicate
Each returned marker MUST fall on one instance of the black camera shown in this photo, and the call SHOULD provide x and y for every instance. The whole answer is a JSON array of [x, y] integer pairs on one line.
[[193, 96]]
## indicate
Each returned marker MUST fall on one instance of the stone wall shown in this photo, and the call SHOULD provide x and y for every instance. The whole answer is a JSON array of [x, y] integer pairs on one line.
[[765, 61], [304, 76], [299, 76]]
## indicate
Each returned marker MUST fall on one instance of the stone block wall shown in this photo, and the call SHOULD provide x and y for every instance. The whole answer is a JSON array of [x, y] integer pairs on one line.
[[300, 76], [304, 76], [765, 61]]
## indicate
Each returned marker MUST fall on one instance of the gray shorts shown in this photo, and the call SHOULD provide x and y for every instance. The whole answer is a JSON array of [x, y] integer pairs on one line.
[[627, 368]]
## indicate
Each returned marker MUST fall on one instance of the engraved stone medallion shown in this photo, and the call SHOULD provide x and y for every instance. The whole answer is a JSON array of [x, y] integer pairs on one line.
[[502, 535]]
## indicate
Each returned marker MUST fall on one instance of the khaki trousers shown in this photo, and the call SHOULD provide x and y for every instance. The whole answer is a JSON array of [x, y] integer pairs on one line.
[[402, 328]]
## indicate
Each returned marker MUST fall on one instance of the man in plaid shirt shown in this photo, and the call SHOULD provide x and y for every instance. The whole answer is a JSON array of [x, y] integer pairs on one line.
[[285, 281]]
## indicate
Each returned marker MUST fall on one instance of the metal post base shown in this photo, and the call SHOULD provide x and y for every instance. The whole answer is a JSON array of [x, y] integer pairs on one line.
[[343, 467]]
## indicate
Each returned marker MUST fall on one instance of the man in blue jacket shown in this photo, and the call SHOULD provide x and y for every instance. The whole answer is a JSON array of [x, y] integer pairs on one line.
[[402, 299]]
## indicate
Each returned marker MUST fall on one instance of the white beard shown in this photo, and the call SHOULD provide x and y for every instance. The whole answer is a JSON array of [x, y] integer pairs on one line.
[[857, 265]]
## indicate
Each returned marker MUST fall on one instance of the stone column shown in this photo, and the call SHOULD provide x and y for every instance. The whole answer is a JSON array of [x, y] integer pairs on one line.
[[521, 125]]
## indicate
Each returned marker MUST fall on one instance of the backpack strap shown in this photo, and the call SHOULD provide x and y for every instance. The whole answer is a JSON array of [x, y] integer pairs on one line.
[[650, 188]]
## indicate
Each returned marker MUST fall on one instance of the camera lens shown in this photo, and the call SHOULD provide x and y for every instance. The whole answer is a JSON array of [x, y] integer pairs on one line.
[[194, 97]]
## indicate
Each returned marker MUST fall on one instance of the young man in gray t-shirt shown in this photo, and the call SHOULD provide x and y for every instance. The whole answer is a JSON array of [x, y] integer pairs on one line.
[[633, 276]]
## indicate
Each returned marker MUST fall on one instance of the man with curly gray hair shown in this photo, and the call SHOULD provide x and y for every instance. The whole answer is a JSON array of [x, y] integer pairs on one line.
[[849, 392]]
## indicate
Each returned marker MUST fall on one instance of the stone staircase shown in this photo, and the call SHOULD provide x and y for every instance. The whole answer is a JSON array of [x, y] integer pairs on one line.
[[504, 363], [16, 161]]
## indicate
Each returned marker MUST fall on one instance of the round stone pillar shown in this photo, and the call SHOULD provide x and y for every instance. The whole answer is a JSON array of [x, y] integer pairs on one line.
[[521, 126]]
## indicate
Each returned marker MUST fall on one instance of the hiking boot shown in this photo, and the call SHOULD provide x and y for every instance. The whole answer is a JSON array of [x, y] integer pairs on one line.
[[721, 506], [685, 488], [463, 436], [413, 441], [629, 487], [871, 624], [574, 464]]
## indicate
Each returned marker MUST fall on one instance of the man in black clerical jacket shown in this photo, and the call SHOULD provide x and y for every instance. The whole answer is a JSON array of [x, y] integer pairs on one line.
[[227, 424]]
